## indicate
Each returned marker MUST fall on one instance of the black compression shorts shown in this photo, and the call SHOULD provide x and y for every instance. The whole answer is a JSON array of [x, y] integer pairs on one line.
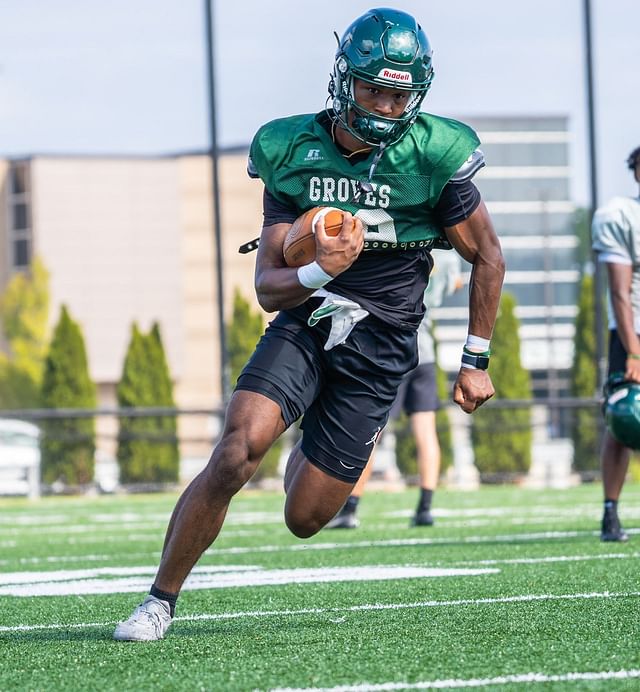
[[344, 394]]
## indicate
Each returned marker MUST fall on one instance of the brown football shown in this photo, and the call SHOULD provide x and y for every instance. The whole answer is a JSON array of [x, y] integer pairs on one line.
[[299, 246]]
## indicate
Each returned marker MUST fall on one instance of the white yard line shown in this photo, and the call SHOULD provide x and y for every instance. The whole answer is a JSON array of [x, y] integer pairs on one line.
[[85, 582], [549, 559], [18, 523], [54, 559], [525, 598], [399, 542], [523, 678]]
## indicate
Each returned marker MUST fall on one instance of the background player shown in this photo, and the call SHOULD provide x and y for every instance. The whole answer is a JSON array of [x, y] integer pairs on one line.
[[616, 239]]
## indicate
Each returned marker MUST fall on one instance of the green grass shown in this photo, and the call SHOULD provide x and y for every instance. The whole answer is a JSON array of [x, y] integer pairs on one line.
[[548, 597]]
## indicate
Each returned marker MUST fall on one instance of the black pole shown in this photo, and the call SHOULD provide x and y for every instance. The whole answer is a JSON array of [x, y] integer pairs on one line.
[[598, 277], [215, 190]]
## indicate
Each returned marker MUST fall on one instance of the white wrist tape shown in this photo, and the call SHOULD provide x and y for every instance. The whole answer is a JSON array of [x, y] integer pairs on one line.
[[477, 343], [313, 275]]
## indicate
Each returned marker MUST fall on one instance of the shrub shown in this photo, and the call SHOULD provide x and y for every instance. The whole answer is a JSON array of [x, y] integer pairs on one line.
[[147, 446], [68, 444], [501, 438], [586, 422]]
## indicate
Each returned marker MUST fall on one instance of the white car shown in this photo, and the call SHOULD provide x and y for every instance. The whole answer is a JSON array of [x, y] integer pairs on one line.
[[19, 458]]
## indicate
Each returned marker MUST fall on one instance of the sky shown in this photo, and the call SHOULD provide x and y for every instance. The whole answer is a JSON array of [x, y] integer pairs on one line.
[[129, 76]]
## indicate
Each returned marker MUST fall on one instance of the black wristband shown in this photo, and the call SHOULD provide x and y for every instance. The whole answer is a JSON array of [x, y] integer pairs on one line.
[[478, 361]]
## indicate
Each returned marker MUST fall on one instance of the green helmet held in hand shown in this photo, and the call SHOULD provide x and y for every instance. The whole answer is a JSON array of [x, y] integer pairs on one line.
[[622, 410], [383, 47]]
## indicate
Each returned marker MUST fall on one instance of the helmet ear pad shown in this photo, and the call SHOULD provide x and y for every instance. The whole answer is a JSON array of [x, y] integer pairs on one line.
[[622, 410]]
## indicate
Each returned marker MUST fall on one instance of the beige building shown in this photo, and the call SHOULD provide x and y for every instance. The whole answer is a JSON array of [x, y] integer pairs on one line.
[[131, 239]]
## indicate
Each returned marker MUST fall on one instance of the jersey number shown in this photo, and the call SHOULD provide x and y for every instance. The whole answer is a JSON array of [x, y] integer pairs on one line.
[[378, 225]]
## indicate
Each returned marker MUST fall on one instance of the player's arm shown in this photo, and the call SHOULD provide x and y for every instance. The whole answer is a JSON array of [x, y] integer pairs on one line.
[[620, 277], [278, 286], [476, 241]]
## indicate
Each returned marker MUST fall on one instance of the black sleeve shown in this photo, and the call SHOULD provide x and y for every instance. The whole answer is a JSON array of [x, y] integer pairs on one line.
[[457, 202], [275, 211]]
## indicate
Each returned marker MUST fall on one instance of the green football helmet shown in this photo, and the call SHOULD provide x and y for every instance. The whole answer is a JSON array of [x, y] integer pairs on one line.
[[622, 410], [388, 48]]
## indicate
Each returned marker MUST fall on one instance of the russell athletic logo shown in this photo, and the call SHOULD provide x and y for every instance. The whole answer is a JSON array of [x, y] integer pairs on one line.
[[395, 75], [314, 155]]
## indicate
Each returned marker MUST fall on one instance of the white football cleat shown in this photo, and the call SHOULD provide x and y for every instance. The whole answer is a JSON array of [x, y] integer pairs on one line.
[[148, 623]]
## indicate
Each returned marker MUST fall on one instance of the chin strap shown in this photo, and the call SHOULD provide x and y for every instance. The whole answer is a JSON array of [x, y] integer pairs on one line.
[[365, 186]]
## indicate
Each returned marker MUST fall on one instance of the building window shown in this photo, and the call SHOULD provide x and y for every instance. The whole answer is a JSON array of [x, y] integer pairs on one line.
[[19, 202], [20, 222], [18, 179], [21, 254]]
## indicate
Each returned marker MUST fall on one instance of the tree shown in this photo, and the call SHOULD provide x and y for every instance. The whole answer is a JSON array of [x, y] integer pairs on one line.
[[243, 333], [68, 444], [502, 438], [587, 422], [24, 311], [147, 445]]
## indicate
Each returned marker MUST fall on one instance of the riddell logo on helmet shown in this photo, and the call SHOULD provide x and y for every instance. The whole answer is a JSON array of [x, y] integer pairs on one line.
[[395, 75]]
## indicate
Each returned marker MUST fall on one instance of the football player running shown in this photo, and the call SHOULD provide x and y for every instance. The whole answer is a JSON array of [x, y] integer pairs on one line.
[[345, 333], [616, 240]]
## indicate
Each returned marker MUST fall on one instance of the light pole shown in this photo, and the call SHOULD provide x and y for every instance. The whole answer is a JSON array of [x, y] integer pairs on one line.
[[598, 279], [215, 190]]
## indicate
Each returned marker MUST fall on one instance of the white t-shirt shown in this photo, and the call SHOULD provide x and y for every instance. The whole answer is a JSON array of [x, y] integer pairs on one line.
[[616, 239]]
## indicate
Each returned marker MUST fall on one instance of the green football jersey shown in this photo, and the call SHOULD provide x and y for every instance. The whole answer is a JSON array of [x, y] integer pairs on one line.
[[301, 166]]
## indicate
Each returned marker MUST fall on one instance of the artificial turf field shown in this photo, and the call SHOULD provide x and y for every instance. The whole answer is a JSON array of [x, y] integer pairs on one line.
[[510, 589]]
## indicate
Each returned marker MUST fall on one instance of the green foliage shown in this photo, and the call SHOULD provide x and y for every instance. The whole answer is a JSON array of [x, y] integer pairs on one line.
[[147, 445], [587, 422], [502, 438], [243, 333], [24, 311], [406, 452], [582, 229], [68, 444]]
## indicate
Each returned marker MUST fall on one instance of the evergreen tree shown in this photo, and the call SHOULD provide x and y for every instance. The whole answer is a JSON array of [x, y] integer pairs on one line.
[[582, 228], [68, 444], [587, 422], [147, 445], [24, 311], [243, 333], [502, 438], [167, 425]]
